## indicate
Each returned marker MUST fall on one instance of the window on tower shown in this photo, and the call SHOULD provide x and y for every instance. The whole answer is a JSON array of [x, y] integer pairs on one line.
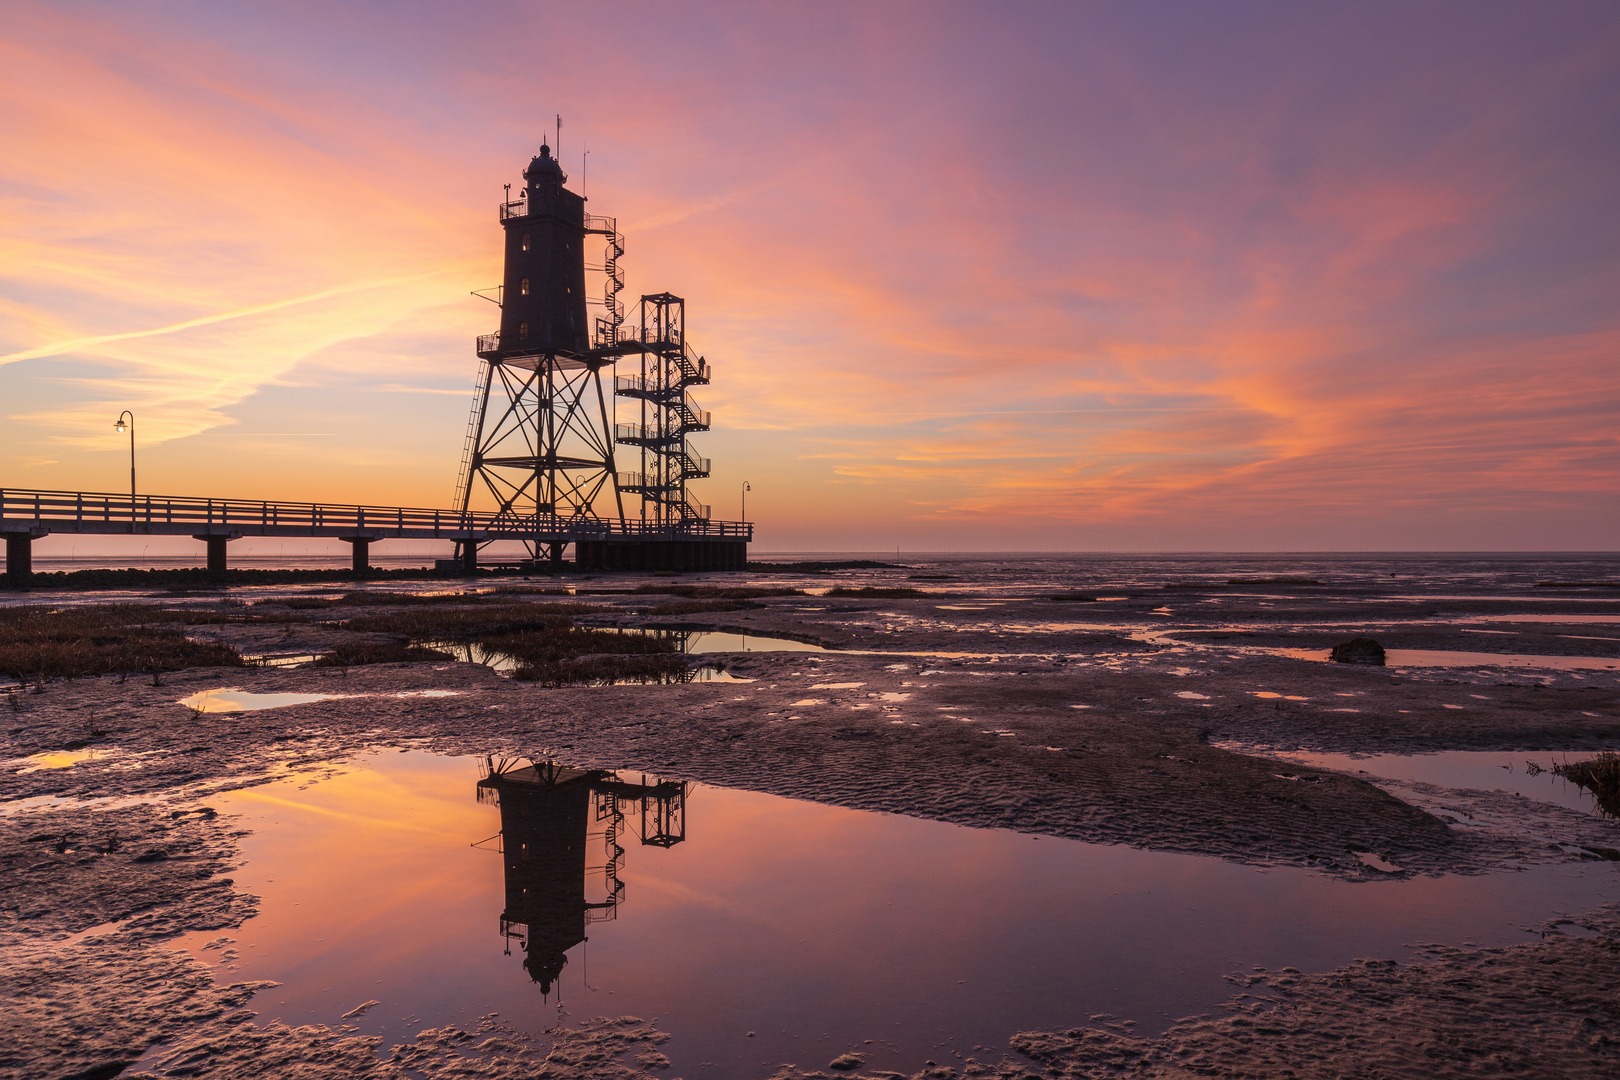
[[523, 287], [523, 331], [525, 242]]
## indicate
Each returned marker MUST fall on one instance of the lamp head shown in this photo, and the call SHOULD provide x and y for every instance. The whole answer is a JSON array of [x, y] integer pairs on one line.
[[120, 424]]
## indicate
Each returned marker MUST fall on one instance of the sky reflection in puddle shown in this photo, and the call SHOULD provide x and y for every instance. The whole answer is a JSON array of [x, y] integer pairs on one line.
[[1521, 617], [231, 700], [1417, 658], [718, 642], [814, 926], [57, 759], [1478, 770], [228, 700]]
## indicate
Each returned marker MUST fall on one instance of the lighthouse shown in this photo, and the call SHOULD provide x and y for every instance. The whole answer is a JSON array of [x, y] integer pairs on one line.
[[543, 309]]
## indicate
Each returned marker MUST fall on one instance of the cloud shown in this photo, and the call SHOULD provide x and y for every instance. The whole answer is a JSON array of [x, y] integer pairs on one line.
[[1092, 268]]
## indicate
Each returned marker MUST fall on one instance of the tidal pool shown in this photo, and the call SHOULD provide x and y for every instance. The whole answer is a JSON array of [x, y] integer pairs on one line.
[[687, 642], [1556, 619], [56, 759], [718, 642], [231, 700], [1416, 658], [818, 929], [1519, 772]]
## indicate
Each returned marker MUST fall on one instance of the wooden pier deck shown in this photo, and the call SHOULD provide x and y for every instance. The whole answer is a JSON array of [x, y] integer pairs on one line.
[[599, 543]]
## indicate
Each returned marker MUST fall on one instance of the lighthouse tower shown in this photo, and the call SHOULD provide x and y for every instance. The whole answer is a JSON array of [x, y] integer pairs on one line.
[[540, 437], [543, 310], [539, 457]]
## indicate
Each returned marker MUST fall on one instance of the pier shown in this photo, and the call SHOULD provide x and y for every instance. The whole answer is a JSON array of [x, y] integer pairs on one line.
[[599, 543]]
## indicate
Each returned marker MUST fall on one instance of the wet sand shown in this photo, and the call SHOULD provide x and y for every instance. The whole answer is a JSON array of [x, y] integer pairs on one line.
[[1097, 721]]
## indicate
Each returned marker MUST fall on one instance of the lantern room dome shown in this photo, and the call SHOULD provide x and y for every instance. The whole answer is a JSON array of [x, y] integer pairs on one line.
[[544, 167]]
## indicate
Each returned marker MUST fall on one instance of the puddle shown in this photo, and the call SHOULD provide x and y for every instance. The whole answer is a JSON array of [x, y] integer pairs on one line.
[[1480, 770], [475, 653], [716, 642], [725, 912], [1495, 597], [1414, 658], [709, 674], [1522, 618], [228, 700], [57, 759], [60, 802], [471, 652], [280, 660]]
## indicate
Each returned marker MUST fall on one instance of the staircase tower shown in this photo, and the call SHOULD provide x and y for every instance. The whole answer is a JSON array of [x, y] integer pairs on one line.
[[668, 416]]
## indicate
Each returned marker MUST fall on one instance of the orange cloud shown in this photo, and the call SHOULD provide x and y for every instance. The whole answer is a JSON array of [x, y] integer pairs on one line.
[[947, 275]]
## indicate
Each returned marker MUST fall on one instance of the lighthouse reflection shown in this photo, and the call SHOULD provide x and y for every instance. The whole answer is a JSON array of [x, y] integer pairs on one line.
[[563, 835]]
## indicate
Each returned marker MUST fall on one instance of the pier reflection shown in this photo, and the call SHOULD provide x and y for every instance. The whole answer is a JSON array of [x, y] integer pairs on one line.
[[562, 838]]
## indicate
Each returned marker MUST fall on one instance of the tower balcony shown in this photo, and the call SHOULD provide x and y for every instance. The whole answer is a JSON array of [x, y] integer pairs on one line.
[[637, 386], [489, 346], [644, 435], [514, 210], [638, 483]]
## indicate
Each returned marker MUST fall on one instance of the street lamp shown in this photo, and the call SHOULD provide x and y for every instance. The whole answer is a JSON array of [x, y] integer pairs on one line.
[[746, 489], [120, 426]]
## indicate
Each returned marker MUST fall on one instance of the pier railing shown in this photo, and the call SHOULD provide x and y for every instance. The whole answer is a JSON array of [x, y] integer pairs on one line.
[[28, 510]]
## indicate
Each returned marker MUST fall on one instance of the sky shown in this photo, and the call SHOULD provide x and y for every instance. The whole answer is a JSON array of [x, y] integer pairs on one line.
[[1012, 276]]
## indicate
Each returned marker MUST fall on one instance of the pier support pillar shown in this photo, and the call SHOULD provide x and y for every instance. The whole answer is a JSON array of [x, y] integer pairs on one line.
[[19, 557], [361, 550], [469, 557], [216, 549]]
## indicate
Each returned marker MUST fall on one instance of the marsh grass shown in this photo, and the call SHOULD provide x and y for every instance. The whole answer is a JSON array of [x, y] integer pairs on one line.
[[1600, 776], [692, 607], [593, 670], [531, 590], [375, 599], [569, 655], [540, 640], [820, 567], [869, 593], [437, 624], [209, 617], [40, 642], [715, 592], [567, 642], [357, 653]]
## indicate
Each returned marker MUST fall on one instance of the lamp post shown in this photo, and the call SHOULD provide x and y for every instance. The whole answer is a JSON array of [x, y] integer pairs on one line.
[[745, 490], [120, 426]]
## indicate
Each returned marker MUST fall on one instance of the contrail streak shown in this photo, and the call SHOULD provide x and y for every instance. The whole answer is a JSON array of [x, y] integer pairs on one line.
[[60, 347]]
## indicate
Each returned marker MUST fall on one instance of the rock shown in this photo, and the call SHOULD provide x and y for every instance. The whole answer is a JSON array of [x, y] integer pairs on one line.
[[1361, 650]]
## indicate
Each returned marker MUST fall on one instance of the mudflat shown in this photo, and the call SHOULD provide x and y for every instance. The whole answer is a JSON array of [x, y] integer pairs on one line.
[[1157, 706]]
